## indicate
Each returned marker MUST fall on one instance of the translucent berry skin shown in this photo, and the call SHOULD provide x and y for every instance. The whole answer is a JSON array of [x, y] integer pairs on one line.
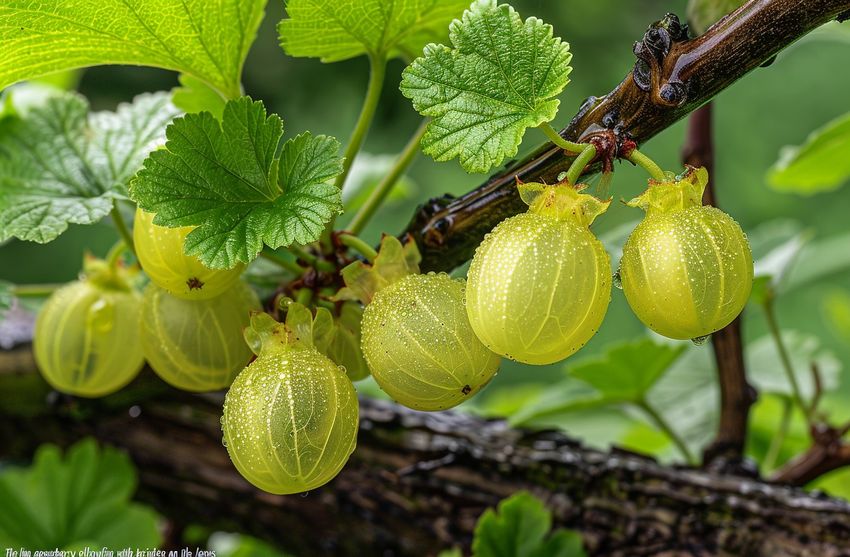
[[538, 288], [290, 420], [687, 273], [419, 346], [160, 252], [86, 339], [197, 345]]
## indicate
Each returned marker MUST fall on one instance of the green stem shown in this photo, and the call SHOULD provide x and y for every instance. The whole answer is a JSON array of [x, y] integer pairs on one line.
[[275, 258], [662, 424], [35, 290], [304, 296], [779, 438], [121, 226], [556, 138], [312, 260], [330, 306], [379, 194], [377, 72], [359, 246], [577, 167], [647, 164], [113, 256], [787, 366]]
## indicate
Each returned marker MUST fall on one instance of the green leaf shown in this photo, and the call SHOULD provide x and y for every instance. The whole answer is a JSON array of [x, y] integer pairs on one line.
[[501, 77], [562, 543], [81, 500], [519, 528], [208, 40], [765, 370], [224, 178], [19, 99], [820, 258], [688, 398], [820, 164], [335, 30], [194, 95], [570, 395], [678, 381], [61, 165], [394, 261], [624, 374], [628, 371]]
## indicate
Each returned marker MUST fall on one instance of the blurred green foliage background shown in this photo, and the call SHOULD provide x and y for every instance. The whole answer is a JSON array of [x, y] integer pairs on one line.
[[775, 106]]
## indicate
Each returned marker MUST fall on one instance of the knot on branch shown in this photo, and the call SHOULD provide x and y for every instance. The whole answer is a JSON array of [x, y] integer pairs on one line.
[[433, 230], [651, 52]]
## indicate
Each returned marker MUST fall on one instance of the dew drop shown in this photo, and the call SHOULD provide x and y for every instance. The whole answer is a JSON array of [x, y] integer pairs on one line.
[[699, 341], [617, 280]]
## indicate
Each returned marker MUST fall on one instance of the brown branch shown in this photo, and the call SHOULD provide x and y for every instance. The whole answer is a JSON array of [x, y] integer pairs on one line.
[[417, 482], [673, 77], [829, 451], [736, 395]]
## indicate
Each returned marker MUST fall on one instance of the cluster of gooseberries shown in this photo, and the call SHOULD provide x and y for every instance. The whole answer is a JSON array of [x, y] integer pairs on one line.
[[537, 290]]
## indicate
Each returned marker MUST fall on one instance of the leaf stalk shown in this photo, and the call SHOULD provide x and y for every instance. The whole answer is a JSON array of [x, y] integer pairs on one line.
[[359, 246], [382, 190]]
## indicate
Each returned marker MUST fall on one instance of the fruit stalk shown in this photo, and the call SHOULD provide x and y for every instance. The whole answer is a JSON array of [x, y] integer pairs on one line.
[[672, 77], [121, 227]]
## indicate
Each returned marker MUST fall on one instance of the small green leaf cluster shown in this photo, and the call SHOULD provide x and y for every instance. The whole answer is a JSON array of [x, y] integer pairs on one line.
[[88, 492], [521, 526]]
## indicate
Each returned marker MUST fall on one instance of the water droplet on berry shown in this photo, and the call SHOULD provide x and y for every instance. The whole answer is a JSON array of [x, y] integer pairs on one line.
[[699, 341], [617, 280]]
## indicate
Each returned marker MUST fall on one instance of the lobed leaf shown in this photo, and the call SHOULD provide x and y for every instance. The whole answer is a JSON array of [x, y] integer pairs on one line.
[[225, 179], [61, 165], [501, 76], [765, 369], [628, 371], [520, 528], [335, 30], [82, 499], [820, 164], [206, 39]]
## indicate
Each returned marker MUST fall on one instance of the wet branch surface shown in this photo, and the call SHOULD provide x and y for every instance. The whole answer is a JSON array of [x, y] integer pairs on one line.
[[672, 77], [417, 482]]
